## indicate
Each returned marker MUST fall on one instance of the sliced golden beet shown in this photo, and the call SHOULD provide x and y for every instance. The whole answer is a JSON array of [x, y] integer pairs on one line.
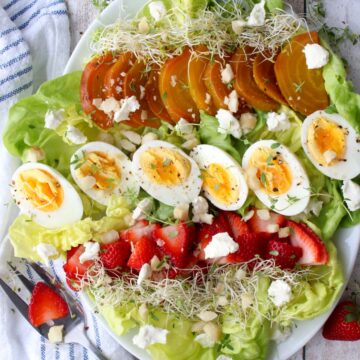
[[264, 76], [114, 78], [196, 76], [174, 88], [134, 85], [303, 88], [153, 97], [92, 87], [245, 85]]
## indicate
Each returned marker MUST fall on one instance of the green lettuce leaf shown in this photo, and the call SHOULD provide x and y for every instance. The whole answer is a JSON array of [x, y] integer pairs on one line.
[[274, 4], [26, 234]]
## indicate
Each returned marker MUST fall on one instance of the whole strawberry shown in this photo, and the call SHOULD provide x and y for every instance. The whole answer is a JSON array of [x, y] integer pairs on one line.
[[344, 323]]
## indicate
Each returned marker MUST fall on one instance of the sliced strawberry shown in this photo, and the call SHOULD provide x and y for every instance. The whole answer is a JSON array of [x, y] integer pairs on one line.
[[45, 305], [178, 242], [285, 255], [141, 229], [73, 268], [238, 225], [206, 232], [260, 225], [145, 249], [115, 255], [314, 251]]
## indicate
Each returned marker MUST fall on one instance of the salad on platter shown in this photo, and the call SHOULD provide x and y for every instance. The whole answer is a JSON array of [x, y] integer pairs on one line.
[[192, 175]]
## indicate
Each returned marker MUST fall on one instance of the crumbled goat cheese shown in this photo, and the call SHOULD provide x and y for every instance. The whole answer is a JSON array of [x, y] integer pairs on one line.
[[144, 274], [200, 211], [75, 136], [316, 56], [277, 122], [263, 214], [351, 192], [227, 74], [55, 334], [329, 156], [143, 207], [183, 127], [157, 10], [257, 15], [205, 340], [142, 92], [34, 154], [279, 292], [53, 118], [272, 228], [238, 26], [110, 106], [284, 232], [279, 334], [247, 122], [132, 136], [91, 251], [181, 212], [173, 80], [149, 335], [233, 102], [228, 123], [127, 106], [46, 251], [240, 274], [221, 244], [109, 237], [314, 207]]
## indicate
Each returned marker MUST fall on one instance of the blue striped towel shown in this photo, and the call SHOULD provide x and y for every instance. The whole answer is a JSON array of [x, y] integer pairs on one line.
[[34, 47]]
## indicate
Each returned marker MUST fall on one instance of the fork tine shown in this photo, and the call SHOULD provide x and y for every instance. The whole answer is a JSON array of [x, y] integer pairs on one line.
[[27, 283], [43, 274]]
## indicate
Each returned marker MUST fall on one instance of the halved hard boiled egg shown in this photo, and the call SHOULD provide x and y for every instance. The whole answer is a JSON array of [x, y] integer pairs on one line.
[[166, 173], [224, 183], [277, 177], [45, 195], [332, 145], [102, 170]]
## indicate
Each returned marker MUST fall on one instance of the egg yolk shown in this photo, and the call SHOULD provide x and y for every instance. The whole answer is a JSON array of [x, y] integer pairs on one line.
[[219, 183], [42, 189], [272, 171], [102, 167], [324, 136], [165, 166]]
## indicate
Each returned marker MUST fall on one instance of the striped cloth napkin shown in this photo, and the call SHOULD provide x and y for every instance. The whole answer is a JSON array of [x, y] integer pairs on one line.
[[34, 47]]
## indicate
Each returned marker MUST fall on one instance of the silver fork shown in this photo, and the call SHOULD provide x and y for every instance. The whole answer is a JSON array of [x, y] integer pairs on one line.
[[75, 324]]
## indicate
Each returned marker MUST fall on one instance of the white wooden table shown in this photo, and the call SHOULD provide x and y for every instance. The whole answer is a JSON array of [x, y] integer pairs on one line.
[[82, 13]]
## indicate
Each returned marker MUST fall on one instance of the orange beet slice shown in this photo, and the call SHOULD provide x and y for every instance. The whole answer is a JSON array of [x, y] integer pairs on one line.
[[303, 88]]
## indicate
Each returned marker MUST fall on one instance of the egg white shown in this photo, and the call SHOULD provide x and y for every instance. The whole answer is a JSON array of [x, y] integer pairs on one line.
[[70, 211], [126, 183], [300, 186], [172, 195], [342, 170], [205, 155]]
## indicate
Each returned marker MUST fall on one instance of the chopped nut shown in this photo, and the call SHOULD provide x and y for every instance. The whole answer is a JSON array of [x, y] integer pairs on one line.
[[143, 311], [263, 214], [247, 122], [272, 228], [213, 331], [132, 136], [248, 215], [149, 137], [284, 232], [55, 334], [127, 145], [222, 301], [198, 326], [207, 315]]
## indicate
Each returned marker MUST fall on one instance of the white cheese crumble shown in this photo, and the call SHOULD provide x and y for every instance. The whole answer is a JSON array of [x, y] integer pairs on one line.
[[109, 106], [53, 118], [227, 74], [207, 98], [55, 334], [233, 102], [183, 127], [92, 249], [173, 80], [329, 156], [75, 136], [248, 215], [127, 106], [228, 123], [263, 214], [279, 334], [238, 26], [221, 244], [351, 192], [277, 122], [46, 251], [257, 15], [200, 211], [314, 207], [181, 212], [279, 292], [247, 122], [205, 340], [316, 56], [144, 274], [157, 10], [272, 228], [109, 237], [34, 154], [142, 92], [240, 274], [143, 207], [149, 335], [284, 232]]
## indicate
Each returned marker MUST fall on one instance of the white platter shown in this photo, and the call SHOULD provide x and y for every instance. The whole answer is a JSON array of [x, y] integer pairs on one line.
[[346, 240]]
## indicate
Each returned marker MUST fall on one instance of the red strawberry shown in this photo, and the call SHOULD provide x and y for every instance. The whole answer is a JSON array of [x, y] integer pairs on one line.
[[238, 225], [314, 250], [45, 305], [141, 229], [259, 225], [344, 323], [178, 242], [286, 256], [73, 268], [145, 249], [115, 255]]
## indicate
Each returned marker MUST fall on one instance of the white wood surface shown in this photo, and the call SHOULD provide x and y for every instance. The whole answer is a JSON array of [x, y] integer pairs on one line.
[[82, 14]]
